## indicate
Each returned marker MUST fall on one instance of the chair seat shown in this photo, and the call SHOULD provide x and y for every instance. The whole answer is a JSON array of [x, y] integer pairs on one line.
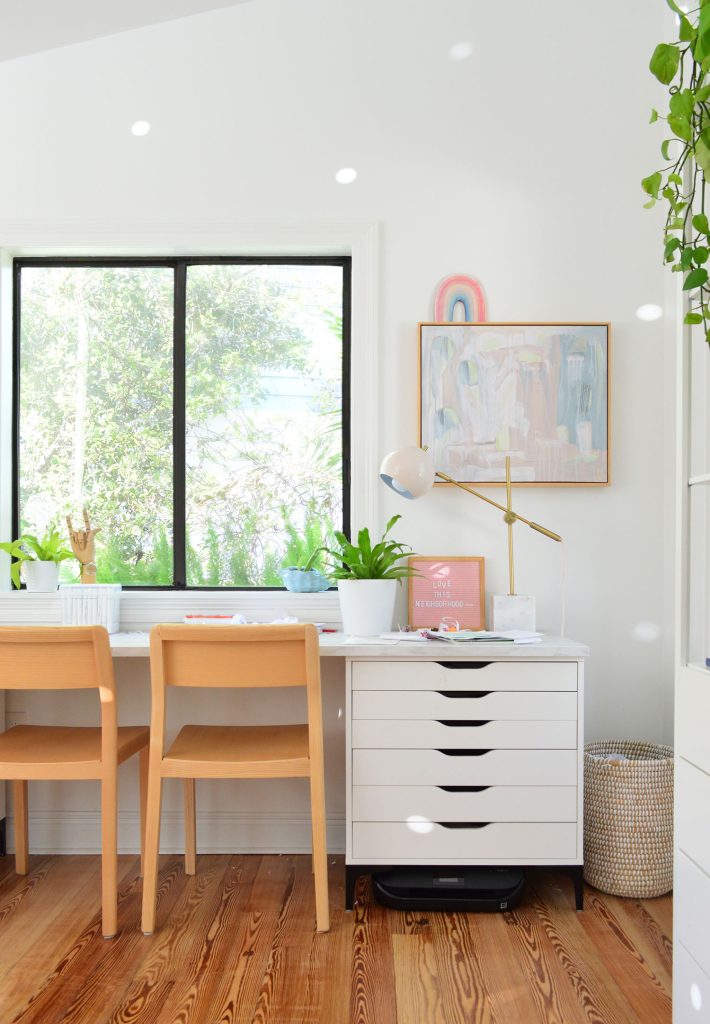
[[38, 745], [234, 751]]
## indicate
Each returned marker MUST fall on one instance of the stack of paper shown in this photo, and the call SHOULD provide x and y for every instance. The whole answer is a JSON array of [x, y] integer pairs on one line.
[[510, 636]]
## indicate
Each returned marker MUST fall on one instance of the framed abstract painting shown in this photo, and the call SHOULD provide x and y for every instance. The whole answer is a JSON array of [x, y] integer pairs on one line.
[[537, 392]]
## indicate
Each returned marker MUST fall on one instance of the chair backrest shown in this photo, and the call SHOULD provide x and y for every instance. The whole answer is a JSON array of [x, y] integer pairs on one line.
[[62, 658], [232, 656]]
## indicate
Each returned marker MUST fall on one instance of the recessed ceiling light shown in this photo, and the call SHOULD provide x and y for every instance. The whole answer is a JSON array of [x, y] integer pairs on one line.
[[461, 50], [140, 128], [649, 312], [346, 175]]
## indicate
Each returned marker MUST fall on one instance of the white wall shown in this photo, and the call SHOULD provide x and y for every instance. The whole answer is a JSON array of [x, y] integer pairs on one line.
[[520, 166]]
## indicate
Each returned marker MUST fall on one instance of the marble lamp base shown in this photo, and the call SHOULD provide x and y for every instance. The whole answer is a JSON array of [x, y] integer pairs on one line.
[[512, 611]]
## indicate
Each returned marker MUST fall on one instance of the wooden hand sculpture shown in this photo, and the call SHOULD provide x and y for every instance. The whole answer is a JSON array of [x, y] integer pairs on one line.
[[84, 547]]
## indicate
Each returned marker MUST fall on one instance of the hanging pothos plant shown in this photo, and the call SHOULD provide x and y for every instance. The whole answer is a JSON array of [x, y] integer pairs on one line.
[[684, 66]]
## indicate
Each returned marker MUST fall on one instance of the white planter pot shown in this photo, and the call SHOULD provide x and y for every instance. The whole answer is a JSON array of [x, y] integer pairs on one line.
[[41, 577], [367, 606]]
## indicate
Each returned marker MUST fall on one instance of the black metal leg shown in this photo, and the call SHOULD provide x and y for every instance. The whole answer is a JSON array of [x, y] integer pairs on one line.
[[578, 879], [351, 876]]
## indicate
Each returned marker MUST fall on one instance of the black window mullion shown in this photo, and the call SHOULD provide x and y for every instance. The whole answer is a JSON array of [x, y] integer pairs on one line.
[[179, 547], [16, 402], [345, 396]]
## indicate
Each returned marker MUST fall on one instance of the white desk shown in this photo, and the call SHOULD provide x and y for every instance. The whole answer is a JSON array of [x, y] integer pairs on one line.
[[457, 754], [338, 645]]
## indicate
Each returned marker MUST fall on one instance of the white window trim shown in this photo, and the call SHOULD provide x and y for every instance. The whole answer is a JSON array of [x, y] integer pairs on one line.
[[357, 239]]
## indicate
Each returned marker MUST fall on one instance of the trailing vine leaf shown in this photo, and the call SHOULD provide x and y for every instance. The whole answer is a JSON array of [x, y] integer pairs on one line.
[[695, 278], [652, 183], [664, 63], [684, 67]]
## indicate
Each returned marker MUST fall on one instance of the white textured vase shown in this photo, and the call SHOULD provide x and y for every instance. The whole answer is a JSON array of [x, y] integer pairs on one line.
[[41, 577], [367, 606]]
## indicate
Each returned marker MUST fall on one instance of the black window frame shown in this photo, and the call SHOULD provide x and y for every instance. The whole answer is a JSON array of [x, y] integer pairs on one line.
[[180, 264]]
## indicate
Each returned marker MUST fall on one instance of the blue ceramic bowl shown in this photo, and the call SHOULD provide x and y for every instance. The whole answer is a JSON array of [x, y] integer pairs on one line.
[[300, 582]]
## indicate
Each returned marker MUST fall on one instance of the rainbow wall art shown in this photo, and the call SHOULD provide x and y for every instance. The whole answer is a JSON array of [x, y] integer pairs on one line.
[[459, 293], [536, 392]]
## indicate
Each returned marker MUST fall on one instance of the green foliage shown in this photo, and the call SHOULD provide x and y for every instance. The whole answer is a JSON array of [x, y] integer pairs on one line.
[[363, 561], [101, 436], [683, 66], [28, 548], [304, 549]]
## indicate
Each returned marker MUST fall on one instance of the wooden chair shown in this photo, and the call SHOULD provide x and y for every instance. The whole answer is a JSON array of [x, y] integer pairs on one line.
[[69, 658], [234, 656]]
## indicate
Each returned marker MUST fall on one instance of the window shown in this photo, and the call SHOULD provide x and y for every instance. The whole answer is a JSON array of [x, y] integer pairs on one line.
[[199, 408]]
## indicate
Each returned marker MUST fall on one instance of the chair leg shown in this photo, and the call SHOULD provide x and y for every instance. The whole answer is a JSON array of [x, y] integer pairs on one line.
[[152, 844], [320, 853], [109, 858], [190, 826], [144, 761], [22, 844]]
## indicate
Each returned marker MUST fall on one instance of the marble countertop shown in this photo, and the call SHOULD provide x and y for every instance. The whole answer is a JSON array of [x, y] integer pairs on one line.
[[338, 645]]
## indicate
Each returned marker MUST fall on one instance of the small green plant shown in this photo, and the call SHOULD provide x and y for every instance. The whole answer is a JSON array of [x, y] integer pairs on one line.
[[28, 548], [683, 67], [363, 561]]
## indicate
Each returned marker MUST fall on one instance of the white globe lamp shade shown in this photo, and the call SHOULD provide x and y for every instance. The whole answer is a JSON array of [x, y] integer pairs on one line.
[[408, 471]]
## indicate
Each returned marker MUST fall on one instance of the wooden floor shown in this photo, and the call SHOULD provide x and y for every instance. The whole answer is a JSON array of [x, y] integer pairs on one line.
[[236, 945]]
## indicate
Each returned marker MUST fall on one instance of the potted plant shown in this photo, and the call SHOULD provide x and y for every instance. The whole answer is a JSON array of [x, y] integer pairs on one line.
[[305, 579], [38, 559], [367, 577]]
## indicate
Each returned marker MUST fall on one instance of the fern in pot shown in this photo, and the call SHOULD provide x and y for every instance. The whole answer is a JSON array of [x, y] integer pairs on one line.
[[367, 576]]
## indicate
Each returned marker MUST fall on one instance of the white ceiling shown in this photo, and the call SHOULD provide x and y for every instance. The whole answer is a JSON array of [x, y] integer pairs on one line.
[[30, 26]]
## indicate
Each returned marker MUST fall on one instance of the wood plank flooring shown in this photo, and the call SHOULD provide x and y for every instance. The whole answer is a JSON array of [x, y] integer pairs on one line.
[[236, 944]]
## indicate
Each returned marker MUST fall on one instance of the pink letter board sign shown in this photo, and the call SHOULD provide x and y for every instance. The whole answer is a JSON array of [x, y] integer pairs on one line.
[[450, 588]]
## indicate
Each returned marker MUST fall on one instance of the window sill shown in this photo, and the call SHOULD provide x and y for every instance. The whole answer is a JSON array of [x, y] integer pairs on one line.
[[142, 609]]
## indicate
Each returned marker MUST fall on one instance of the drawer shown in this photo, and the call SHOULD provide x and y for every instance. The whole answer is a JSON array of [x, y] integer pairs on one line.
[[692, 713], [691, 910], [485, 768], [464, 675], [399, 842], [692, 799], [479, 803], [691, 989], [458, 734], [431, 704]]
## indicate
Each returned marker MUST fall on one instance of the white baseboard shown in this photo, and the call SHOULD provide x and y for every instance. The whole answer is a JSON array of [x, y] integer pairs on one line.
[[217, 832]]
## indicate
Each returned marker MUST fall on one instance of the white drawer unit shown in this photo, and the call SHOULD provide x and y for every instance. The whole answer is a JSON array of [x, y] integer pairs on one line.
[[462, 760]]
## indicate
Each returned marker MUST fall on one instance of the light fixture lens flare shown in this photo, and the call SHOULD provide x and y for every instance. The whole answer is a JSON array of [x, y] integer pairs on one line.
[[346, 175], [140, 128], [649, 311], [461, 50], [419, 824]]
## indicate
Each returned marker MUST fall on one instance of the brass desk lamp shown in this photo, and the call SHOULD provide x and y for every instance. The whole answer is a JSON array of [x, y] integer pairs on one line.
[[410, 472]]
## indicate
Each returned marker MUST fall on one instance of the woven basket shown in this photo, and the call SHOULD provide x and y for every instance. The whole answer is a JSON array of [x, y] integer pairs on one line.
[[628, 819]]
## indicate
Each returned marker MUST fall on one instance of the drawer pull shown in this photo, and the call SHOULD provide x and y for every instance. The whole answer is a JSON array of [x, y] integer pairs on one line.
[[464, 664], [463, 789], [463, 753], [455, 723], [471, 694], [464, 824]]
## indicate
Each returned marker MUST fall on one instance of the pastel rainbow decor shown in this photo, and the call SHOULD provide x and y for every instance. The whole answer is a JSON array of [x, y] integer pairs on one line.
[[455, 289]]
